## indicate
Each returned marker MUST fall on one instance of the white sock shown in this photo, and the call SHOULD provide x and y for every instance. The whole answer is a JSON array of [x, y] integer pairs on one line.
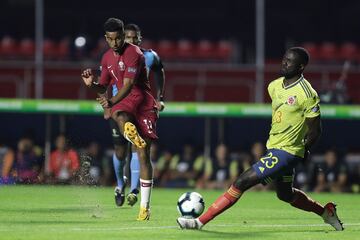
[[145, 190]]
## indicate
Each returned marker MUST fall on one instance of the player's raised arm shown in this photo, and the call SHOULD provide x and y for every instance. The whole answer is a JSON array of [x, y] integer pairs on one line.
[[90, 81]]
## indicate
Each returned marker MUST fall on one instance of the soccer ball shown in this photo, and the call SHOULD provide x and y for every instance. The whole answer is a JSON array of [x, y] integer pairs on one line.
[[190, 205]]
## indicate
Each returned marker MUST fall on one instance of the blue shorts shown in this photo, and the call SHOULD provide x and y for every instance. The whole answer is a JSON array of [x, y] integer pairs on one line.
[[276, 164]]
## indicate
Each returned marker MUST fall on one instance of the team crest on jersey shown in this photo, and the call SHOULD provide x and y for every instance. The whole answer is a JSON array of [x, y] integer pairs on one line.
[[122, 66], [291, 100]]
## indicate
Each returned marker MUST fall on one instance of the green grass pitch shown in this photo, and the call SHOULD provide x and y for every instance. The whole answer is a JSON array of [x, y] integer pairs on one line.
[[47, 212]]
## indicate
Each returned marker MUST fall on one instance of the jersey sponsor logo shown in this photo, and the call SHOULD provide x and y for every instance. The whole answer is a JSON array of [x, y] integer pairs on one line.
[[316, 108], [291, 100], [122, 66], [132, 70], [114, 133]]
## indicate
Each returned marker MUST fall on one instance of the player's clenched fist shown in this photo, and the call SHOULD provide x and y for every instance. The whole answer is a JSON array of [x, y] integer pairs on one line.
[[87, 77]]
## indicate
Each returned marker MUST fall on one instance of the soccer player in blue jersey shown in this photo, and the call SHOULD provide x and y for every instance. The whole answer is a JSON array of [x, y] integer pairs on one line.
[[295, 128], [154, 65]]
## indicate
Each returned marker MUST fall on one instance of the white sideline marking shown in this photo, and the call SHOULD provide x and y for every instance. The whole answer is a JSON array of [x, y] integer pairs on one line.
[[54, 229], [217, 225]]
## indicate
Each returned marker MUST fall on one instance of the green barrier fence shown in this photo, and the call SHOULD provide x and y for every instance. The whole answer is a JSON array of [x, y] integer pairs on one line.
[[173, 109]]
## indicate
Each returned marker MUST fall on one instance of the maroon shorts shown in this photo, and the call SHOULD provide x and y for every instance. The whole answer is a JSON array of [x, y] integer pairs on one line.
[[142, 106]]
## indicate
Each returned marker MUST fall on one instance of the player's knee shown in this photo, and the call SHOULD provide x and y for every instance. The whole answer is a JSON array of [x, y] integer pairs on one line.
[[242, 183], [285, 196], [122, 117], [120, 152], [246, 180]]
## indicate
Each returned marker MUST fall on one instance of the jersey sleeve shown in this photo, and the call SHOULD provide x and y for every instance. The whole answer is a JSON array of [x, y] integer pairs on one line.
[[105, 75], [132, 60], [270, 90], [157, 64], [312, 106]]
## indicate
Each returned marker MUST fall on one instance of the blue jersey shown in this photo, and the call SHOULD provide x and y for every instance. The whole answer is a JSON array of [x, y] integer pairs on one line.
[[152, 62]]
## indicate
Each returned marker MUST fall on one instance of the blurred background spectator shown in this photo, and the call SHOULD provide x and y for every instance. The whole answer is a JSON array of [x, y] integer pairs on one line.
[[7, 158], [220, 171], [28, 164], [332, 175], [64, 161], [184, 169]]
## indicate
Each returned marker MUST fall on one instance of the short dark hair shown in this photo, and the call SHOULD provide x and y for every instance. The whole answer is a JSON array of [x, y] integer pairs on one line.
[[132, 27], [114, 25], [302, 54]]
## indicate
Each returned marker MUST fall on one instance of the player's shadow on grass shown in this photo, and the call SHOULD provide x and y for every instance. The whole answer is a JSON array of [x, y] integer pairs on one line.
[[246, 233], [209, 234]]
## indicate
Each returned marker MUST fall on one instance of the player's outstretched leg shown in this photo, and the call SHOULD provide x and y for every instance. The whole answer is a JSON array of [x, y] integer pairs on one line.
[[131, 198], [300, 200], [225, 201], [132, 135]]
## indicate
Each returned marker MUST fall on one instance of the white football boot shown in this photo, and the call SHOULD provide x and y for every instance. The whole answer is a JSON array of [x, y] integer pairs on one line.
[[189, 223], [331, 217]]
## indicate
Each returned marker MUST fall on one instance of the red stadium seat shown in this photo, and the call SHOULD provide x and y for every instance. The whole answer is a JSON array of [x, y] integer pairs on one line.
[[185, 49], [328, 51], [100, 48], [63, 49], [224, 50], [166, 49], [348, 51], [313, 50], [148, 44], [49, 49], [205, 50], [26, 48], [8, 47]]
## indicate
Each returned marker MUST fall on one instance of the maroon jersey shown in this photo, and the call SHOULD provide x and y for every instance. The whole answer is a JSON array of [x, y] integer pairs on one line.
[[129, 63]]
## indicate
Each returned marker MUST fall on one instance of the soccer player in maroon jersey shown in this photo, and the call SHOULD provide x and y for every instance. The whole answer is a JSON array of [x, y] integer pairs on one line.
[[133, 107]]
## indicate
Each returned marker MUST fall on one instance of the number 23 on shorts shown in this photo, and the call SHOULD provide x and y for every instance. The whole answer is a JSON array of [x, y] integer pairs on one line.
[[269, 160]]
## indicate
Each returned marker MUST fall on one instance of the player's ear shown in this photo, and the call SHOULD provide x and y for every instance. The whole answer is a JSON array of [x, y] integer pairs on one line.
[[302, 67], [140, 38]]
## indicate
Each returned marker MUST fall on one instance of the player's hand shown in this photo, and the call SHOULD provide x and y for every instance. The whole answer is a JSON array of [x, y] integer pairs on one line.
[[104, 102], [87, 77], [160, 105]]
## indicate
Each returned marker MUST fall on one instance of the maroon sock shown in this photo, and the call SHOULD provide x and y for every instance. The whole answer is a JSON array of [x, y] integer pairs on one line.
[[225, 201], [302, 201]]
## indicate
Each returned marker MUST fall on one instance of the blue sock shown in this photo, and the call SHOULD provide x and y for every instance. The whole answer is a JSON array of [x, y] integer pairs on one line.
[[118, 168], [135, 171]]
